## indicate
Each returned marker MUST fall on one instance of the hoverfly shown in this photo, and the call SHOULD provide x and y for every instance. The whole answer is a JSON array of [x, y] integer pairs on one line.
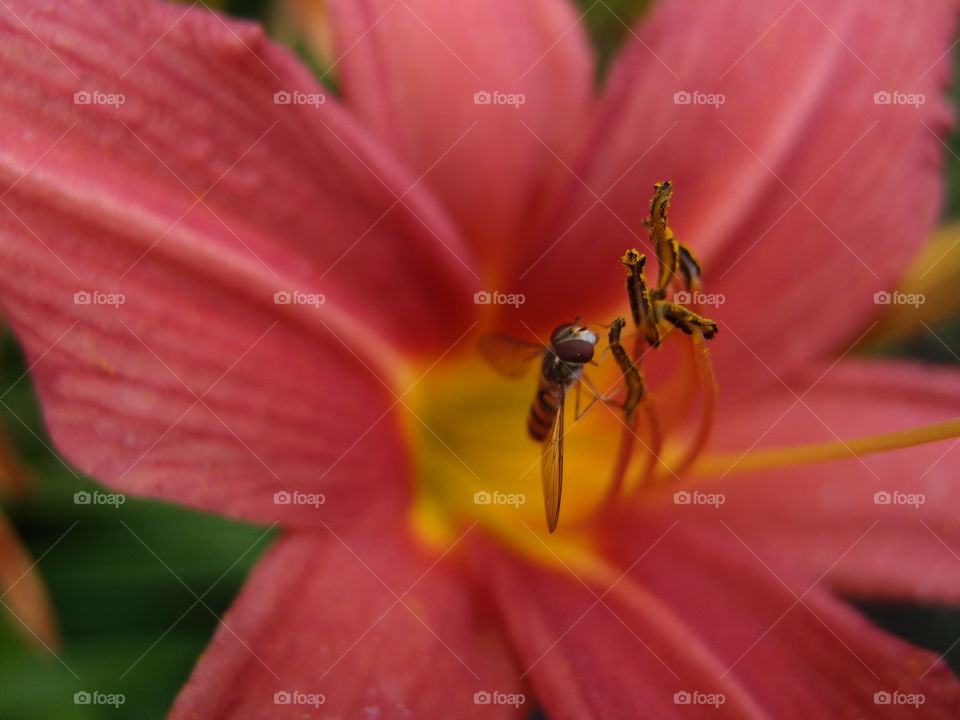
[[571, 347]]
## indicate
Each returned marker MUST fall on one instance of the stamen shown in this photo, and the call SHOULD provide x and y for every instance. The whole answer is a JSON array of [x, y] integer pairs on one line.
[[628, 438], [708, 383], [635, 394], [767, 458], [654, 446], [686, 320], [642, 306], [664, 242], [629, 369], [654, 317], [680, 387], [690, 269]]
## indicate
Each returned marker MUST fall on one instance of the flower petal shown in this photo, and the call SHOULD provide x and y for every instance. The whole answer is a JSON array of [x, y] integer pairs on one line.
[[412, 71], [799, 650], [380, 629], [812, 515], [177, 190], [797, 188], [590, 654]]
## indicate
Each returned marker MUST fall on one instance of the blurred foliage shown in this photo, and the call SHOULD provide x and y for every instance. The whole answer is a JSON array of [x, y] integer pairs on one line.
[[130, 624], [124, 580]]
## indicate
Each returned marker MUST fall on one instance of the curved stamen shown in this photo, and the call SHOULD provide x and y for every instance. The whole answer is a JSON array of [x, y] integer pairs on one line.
[[708, 383], [767, 458], [655, 446]]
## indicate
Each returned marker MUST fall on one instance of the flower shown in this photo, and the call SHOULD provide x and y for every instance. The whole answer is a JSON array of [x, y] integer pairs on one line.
[[241, 293]]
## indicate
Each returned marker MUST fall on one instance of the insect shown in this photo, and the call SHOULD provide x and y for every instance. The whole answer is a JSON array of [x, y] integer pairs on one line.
[[571, 347]]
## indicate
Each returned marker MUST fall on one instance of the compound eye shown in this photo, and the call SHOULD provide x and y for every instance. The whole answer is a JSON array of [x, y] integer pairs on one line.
[[560, 332], [575, 351]]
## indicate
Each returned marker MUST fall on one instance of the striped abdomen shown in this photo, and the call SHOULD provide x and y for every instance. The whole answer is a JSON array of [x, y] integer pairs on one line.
[[543, 409]]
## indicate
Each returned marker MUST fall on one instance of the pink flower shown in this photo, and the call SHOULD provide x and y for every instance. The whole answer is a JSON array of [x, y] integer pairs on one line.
[[242, 293]]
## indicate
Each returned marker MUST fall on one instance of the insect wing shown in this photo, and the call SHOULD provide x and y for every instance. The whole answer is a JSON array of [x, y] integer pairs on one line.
[[508, 356], [551, 466]]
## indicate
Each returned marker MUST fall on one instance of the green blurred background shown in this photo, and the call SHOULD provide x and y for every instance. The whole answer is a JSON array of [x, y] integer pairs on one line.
[[125, 581]]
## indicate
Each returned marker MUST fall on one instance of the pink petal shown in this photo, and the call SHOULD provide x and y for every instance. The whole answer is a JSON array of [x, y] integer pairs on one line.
[[410, 71], [332, 616], [800, 651], [811, 516], [624, 656], [200, 388], [799, 120]]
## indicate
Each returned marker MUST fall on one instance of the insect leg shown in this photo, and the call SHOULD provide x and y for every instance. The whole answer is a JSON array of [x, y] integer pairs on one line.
[[597, 396]]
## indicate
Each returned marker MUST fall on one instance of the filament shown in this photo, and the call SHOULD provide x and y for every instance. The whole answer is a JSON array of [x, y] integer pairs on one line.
[[708, 385], [767, 458]]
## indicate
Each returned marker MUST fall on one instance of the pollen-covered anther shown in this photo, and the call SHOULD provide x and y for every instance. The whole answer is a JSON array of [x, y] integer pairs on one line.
[[686, 320], [655, 318]]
